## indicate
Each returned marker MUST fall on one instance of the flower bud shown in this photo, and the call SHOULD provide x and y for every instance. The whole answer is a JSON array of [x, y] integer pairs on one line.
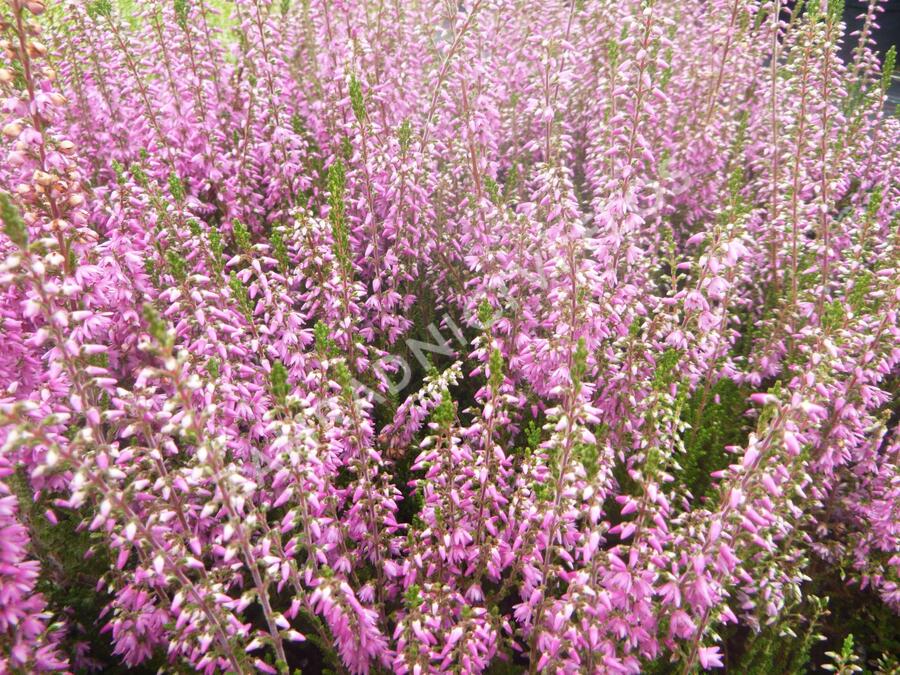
[[6, 75], [66, 147], [37, 48], [12, 130], [36, 7], [44, 179], [763, 399]]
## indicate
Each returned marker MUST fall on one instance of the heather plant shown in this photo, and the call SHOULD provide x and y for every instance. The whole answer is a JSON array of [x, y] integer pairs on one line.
[[447, 337]]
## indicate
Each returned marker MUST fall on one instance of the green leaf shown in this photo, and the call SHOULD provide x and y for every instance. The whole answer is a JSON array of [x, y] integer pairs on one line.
[[13, 224]]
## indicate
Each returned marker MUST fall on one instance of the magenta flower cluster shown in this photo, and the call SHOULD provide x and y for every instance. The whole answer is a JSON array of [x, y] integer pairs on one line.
[[416, 337]]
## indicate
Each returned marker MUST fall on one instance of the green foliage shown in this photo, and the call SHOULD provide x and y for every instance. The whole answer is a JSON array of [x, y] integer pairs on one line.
[[404, 135], [344, 377], [663, 374], [653, 461], [357, 99], [445, 413], [876, 197], [852, 610], [241, 235], [858, 300], [139, 175], [887, 664], [212, 367], [739, 206], [216, 250], [612, 53], [785, 646], [151, 270], [504, 664], [72, 562], [279, 250], [543, 492], [493, 190], [835, 10], [157, 327], [412, 598], [496, 368], [579, 364], [278, 379], [176, 187], [326, 347], [767, 414], [181, 13], [99, 8], [177, 264], [297, 124], [834, 316], [336, 186], [119, 171], [844, 662], [887, 70], [13, 225], [511, 181], [588, 455], [485, 314], [859, 296], [346, 147], [532, 435], [241, 297], [716, 419], [336, 214]]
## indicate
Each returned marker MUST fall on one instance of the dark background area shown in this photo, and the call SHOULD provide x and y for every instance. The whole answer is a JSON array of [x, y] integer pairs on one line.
[[886, 35]]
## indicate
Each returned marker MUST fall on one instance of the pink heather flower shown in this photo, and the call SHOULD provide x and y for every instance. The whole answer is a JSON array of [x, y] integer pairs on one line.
[[437, 336], [710, 657]]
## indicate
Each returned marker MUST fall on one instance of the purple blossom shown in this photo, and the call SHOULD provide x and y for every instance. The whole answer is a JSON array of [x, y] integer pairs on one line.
[[429, 337]]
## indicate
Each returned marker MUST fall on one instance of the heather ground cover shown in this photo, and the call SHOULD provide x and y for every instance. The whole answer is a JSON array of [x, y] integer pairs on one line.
[[483, 336]]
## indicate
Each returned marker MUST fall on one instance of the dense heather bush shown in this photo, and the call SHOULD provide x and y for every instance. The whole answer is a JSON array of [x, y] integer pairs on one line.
[[421, 336]]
